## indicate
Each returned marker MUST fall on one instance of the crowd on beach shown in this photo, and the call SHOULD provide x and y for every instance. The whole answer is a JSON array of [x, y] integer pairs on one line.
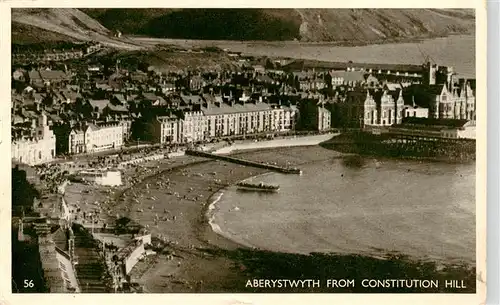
[[98, 207]]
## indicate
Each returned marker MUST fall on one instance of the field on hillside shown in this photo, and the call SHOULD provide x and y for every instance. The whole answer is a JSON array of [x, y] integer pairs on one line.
[[67, 24], [28, 34], [169, 61]]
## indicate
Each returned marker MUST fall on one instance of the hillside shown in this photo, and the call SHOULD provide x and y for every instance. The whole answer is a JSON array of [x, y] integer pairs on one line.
[[335, 25], [28, 34], [56, 24], [344, 26], [173, 60], [362, 25]]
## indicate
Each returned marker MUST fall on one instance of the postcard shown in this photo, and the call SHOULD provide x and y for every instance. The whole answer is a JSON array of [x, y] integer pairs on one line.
[[244, 155]]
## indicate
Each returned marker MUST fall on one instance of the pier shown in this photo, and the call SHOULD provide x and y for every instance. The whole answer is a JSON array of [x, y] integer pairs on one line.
[[406, 145], [279, 169]]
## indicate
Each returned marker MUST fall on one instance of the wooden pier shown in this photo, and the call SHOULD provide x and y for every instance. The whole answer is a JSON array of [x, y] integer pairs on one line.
[[279, 169]]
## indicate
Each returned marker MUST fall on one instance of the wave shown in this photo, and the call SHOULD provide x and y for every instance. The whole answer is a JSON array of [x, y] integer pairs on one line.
[[212, 210], [345, 218]]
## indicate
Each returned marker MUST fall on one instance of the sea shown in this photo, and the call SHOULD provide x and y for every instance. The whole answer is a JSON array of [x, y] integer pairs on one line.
[[454, 51], [457, 51], [424, 210], [418, 209]]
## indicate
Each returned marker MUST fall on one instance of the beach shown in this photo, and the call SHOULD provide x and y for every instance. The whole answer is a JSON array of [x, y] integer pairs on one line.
[[179, 191], [172, 197], [194, 188]]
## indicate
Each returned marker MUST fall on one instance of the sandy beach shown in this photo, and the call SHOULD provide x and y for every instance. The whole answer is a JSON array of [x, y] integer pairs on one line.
[[178, 192], [187, 196], [171, 198]]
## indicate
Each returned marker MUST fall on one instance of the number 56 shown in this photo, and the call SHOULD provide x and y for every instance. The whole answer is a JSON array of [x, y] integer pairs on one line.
[[28, 284]]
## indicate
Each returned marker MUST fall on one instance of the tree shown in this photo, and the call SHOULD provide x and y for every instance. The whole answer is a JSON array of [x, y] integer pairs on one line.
[[48, 100], [121, 224]]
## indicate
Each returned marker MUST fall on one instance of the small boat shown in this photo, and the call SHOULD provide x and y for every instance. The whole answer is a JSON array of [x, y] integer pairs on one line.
[[258, 187]]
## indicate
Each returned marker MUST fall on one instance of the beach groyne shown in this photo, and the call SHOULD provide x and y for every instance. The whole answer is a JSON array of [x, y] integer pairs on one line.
[[284, 170]]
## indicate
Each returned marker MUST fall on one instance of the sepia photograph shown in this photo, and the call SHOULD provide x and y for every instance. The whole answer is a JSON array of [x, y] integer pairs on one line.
[[244, 150]]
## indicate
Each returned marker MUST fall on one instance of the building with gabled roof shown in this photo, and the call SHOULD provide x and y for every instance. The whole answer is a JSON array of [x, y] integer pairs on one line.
[[42, 78], [95, 137], [37, 148], [165, 129], [348, 78], [314, 115], [98, 106], [154, 99]]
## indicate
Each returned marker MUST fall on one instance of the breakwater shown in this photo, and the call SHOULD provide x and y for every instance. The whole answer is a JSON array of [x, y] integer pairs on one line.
[[279, 169], [404, 146]]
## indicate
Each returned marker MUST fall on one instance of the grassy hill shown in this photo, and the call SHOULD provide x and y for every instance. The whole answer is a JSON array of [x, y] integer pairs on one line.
[[375, 25], [61, 24], [165, 60], [337, 25], [344, 26], [28, 34]]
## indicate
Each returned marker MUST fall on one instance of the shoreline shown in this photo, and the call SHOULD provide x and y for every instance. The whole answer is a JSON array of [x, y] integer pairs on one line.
[[210, 209], [189, 42], [199, 219], [203, 254]]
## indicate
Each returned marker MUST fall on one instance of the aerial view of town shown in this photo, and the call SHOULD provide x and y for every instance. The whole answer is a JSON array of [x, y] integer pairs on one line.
[[243, 150]]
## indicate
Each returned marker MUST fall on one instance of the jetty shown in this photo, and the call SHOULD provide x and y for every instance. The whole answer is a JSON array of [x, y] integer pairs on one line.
[[279, 169]]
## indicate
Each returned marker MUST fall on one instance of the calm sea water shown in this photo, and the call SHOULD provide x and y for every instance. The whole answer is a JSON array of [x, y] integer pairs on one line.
[[418, 209], [456, 51]]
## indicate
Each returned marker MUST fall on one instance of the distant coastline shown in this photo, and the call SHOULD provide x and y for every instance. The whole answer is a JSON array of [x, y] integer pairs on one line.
[[333, 43]]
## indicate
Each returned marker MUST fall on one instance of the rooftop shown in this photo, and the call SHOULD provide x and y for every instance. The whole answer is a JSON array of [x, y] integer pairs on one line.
[[311, 64], [100, 104], [53, 75], [236, 108], [349, 76], [446, 123]]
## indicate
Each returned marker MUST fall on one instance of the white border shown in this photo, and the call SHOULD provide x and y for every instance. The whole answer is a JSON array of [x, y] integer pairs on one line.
[[493, 295]]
